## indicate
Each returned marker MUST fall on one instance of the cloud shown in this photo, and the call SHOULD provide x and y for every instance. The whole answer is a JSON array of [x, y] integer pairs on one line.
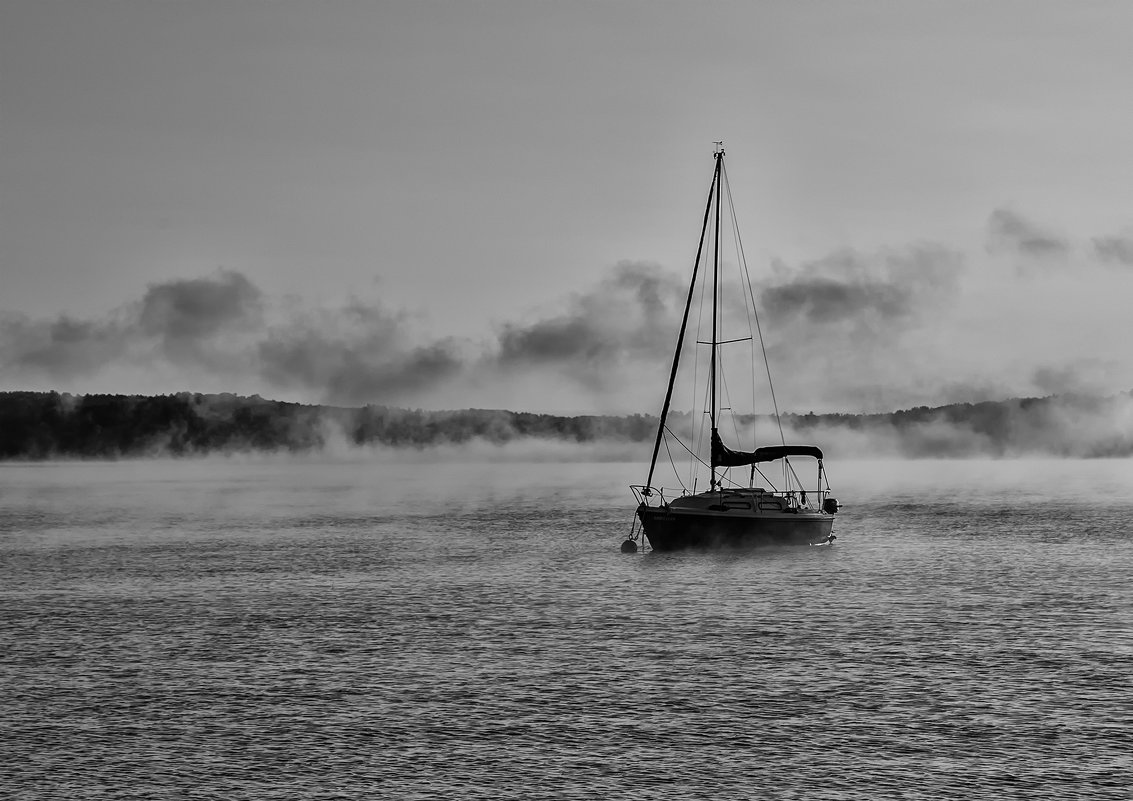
[[221, 329], [629, 316], [354, 355], [821, 300], [1114, 249], [1008, 231], [61, 347], [617, 338], [967, 390], [841, 332], [201, 324], [180, 322], [1085, 376], [853, 330], [887, 288], [190, 310]]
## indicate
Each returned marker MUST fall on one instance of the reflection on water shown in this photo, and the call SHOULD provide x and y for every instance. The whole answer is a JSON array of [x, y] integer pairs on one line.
[[305, 630]]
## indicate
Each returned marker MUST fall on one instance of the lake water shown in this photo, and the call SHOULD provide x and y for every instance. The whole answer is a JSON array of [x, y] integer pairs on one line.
[[354, 628]]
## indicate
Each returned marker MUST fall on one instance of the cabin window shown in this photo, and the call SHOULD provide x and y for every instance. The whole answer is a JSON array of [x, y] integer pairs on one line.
[[775, 505]]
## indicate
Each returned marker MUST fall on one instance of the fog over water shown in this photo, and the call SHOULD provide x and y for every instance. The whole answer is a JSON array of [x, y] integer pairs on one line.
[[39, 426]]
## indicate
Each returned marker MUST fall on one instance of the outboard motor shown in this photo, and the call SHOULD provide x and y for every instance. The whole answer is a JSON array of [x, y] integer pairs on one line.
[[830, 506]]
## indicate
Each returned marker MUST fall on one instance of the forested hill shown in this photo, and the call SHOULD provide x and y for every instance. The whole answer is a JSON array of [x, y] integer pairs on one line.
[[49, 425], [44, 425]]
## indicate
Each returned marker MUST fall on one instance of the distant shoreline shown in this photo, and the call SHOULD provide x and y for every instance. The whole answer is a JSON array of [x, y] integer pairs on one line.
[[38, 426]]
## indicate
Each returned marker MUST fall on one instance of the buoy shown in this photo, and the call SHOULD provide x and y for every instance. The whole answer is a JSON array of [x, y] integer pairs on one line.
[[629, 546]]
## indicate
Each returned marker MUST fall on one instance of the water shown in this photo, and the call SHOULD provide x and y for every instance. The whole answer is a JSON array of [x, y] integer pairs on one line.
[[349, 629]]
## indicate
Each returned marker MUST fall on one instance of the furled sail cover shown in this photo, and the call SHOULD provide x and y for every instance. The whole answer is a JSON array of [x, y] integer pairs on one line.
[[723, 456]]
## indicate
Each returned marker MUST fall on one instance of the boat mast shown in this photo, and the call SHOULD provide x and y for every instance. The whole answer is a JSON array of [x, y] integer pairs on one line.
[[713, 188], [715, 305]]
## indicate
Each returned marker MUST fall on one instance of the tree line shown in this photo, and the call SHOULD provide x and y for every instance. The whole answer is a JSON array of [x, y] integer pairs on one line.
[[51, 425]]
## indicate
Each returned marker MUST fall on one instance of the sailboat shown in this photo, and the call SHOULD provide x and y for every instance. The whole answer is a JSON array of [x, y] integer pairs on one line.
[[735, 511]]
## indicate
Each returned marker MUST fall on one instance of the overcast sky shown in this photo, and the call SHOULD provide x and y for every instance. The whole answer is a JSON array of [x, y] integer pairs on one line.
[[485, 203]]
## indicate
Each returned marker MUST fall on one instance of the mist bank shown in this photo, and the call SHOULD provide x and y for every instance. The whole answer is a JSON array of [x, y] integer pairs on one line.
[[51, 425]]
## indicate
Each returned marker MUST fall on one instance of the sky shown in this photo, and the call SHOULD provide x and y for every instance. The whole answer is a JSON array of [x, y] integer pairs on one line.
[[496, 204]]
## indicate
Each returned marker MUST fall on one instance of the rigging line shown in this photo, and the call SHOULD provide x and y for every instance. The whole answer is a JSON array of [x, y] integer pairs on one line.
[[673, 464], [728, 399], [686, 447], [791, 467], [697, 431], [748, 308], [727, 477], [699, 435], [714, 188], [703, 291], [755, 309], [770, 483]]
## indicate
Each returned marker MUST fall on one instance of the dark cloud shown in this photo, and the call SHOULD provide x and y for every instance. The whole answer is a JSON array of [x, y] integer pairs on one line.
[[852, 330], [357, 354], [561, 339], [825, 300], [179, 321], [61, 348], [882, 290], [192, 320], [848, 330], [216, 327], [197, 308], [632, 314], [1114, 249], [837, 322], [1007, 231]]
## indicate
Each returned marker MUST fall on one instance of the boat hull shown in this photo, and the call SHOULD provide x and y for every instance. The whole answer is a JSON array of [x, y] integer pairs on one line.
[[670, 529]]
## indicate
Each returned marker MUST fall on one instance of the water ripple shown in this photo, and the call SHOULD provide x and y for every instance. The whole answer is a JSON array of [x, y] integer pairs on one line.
[[170, 640]]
